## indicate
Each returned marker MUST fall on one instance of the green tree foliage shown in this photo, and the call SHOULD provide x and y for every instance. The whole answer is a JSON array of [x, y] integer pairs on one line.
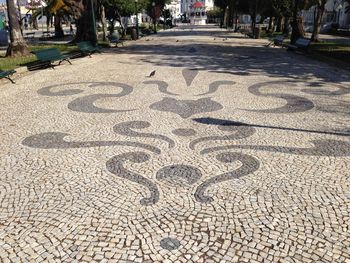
[[215, 12], [114, 10], [117, 9]]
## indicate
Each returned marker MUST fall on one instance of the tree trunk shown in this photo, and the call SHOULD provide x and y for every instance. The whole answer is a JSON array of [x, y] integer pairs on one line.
[[286, 26], [279, 24], [317, 23], [18, 46], [58, 26], [20, 17], [104, 23], [85, 24], [297, 24], [230, 14], [226, 16], [270, 28]]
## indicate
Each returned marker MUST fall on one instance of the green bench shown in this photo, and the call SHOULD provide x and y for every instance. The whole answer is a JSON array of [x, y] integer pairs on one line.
[[49, 55], [7, 74], [87, 48]]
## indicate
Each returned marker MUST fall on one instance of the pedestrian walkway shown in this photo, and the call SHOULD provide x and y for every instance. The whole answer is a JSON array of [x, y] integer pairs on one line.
[[230, 152]]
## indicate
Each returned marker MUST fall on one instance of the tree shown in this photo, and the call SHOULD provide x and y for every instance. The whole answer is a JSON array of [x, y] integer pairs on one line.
[[84, 11], [117, 9], [155, 11], [17, 46], [283, 10], [297, 23], [223, 6], [320, 6]]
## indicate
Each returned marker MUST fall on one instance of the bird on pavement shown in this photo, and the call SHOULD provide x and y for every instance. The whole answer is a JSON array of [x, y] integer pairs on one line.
[[152, 74]]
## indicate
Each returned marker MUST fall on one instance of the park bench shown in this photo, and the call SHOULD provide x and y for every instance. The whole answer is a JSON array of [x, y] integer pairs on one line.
[[87, 48], [277, 41], [47, 33], [302, 44], [30, 34], [49, 55], [7, 74], [115, 39], [246, 32]]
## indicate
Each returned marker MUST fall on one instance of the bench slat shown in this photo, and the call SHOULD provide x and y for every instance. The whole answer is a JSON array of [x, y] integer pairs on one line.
[[49, 55]]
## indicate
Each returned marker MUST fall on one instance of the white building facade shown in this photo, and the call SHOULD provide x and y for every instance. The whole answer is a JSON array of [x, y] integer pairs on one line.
[[191, 10], [334, 14], [186, 4], [175, 8]]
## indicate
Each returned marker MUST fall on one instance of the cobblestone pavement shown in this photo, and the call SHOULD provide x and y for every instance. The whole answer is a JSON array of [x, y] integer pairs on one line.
[[232, 152]]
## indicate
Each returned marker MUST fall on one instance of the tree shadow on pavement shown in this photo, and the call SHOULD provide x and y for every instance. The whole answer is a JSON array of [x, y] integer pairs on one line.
[[221, 122], [243, 59]]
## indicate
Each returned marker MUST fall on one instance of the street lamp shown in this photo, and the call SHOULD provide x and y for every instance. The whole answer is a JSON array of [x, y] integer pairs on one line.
[[154, 18], [137, 20]]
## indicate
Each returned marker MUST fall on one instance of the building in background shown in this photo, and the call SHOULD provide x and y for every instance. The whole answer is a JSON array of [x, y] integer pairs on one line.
[[335, 15], [195, 10], [175, 9]]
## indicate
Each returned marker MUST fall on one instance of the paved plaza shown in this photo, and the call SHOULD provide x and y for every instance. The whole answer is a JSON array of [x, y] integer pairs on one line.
[[231, 152]]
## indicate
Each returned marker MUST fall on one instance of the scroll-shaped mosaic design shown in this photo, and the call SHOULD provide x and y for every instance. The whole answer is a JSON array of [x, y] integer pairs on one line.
[[86, 104], [249, 164], [115, 166], [186, 176], [294, 103], [55, 140]]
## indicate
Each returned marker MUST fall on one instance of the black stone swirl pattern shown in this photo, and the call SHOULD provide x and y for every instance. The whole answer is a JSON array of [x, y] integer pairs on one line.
[[319, 89], [186, 108], [189, 75], [55, 140], [162, 86], [214, 86], [115, 166], [239, 132], [86, 103], [249, 165], [177, 173], [294, 103], [126, 128], [184, 132], [324, 147]]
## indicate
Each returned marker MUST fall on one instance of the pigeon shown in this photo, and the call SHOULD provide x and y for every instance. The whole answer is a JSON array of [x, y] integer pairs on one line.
[[152, 74], [177, 40]]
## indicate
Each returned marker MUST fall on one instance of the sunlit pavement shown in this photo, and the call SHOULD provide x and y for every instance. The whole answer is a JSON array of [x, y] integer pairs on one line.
[[231, 152]]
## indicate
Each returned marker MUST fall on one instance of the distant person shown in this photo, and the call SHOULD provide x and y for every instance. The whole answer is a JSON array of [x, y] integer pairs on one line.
[[71, 29]]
